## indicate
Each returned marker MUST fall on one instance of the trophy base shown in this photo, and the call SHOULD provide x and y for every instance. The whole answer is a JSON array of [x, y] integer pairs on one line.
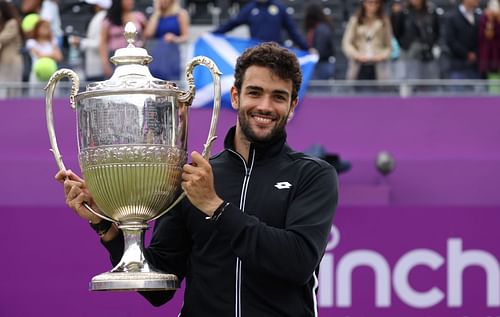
[[134, 281]]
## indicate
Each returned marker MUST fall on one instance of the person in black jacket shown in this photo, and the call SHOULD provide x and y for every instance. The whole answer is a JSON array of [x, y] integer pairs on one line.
[[320, 37], [416, 29], [269, 208], [266, 20], [461, 37]]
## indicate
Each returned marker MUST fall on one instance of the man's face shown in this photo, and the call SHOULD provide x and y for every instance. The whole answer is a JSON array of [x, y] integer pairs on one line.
[[264, 104]]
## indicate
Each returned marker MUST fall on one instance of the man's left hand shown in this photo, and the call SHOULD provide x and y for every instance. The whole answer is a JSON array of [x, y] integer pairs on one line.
[[198, 184]]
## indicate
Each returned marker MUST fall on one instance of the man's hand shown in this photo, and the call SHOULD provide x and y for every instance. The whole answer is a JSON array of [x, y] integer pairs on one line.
[[198, 184], [76, 193], [471, 57]]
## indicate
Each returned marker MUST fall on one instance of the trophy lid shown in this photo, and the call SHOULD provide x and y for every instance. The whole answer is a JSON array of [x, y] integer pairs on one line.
[[131, 72], [131, 54]]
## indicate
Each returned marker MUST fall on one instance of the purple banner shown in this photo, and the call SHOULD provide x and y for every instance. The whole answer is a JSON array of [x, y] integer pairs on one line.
[[412, 261], [381, 261]]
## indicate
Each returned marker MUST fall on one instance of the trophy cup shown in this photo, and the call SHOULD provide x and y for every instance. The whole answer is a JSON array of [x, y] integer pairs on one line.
[[132, 144]]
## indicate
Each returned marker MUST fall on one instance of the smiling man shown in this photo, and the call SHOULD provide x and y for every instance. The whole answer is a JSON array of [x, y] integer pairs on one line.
[[250, 236]]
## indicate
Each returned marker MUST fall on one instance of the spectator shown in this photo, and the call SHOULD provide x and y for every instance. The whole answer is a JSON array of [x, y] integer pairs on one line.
[[50, 12], [367, 42], [90, 44], [416, 29], [266, 19], [113, 27], [461, 37], [43, 44], [319, 35], [168, 26], [489, 43], [11, 41]]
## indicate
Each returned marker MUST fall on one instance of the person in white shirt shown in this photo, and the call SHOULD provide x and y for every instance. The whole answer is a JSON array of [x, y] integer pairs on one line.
[[43, 44], [90, 43], [49, 11]]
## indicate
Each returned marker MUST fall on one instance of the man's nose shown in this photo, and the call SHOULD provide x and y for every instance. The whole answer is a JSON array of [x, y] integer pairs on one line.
[[266, 102]]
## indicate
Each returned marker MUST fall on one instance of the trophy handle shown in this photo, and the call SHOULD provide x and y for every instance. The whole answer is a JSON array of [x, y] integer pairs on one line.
[[50, 88], [188, 97]]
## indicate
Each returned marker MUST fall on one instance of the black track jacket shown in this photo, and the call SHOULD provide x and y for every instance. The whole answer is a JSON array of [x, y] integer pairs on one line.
[[261, 257]]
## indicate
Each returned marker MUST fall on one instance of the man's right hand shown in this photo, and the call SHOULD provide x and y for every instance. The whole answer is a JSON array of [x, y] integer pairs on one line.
[[77, 194]]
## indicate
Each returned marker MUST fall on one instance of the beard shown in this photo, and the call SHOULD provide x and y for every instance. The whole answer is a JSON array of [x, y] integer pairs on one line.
[[277, 131]]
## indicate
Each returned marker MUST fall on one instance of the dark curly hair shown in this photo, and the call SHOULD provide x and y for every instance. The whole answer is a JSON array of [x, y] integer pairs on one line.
[[279, 60], [114, 14]]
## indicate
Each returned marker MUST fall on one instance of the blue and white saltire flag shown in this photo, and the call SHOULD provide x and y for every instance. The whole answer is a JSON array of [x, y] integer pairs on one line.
[[224, 51]]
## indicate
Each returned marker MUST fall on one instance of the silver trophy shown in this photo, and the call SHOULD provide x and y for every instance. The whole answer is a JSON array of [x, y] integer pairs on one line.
[[132, 143]]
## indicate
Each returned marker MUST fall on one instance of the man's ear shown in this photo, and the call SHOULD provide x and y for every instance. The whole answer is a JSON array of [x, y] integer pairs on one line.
[[234, 98], [292, 108]]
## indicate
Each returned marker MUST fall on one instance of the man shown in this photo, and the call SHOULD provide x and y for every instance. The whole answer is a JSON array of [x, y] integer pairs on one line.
[[266, 19], [269, 208], [461, 35]]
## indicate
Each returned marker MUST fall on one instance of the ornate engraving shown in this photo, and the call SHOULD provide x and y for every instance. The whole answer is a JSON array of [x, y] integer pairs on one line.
[[123, 154], [132, 82]]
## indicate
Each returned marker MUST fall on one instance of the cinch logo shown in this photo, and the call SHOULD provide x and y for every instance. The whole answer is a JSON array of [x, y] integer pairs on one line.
[[457, 260]]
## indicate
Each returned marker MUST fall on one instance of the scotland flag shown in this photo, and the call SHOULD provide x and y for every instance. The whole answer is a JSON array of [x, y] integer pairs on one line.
[[224, 51]]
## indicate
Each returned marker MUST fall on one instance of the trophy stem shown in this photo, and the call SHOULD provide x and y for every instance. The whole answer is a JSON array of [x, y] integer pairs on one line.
[[133, 259], [133, 272]]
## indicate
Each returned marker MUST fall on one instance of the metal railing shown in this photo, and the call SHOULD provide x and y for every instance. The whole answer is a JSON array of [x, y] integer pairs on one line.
[[327, 88], [405, 88]]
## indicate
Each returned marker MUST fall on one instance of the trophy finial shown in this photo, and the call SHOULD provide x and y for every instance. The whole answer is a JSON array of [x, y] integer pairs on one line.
[[130, 33]]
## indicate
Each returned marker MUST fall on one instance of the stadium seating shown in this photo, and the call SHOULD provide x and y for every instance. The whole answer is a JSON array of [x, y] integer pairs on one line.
[[76, 14]]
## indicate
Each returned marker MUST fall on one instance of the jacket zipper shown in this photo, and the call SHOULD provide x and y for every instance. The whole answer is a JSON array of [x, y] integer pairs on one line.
[[246, 181]]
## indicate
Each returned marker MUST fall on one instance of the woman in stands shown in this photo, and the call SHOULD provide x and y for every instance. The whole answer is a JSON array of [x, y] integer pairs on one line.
[[11, 41], [320, 37], [119, 14], [367, 42], [167, 27]]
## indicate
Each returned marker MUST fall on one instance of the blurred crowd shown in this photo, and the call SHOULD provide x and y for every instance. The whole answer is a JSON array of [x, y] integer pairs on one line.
[[400, 39]]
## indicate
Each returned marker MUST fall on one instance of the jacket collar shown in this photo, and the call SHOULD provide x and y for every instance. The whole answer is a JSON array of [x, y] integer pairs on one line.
[[262, 150]]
